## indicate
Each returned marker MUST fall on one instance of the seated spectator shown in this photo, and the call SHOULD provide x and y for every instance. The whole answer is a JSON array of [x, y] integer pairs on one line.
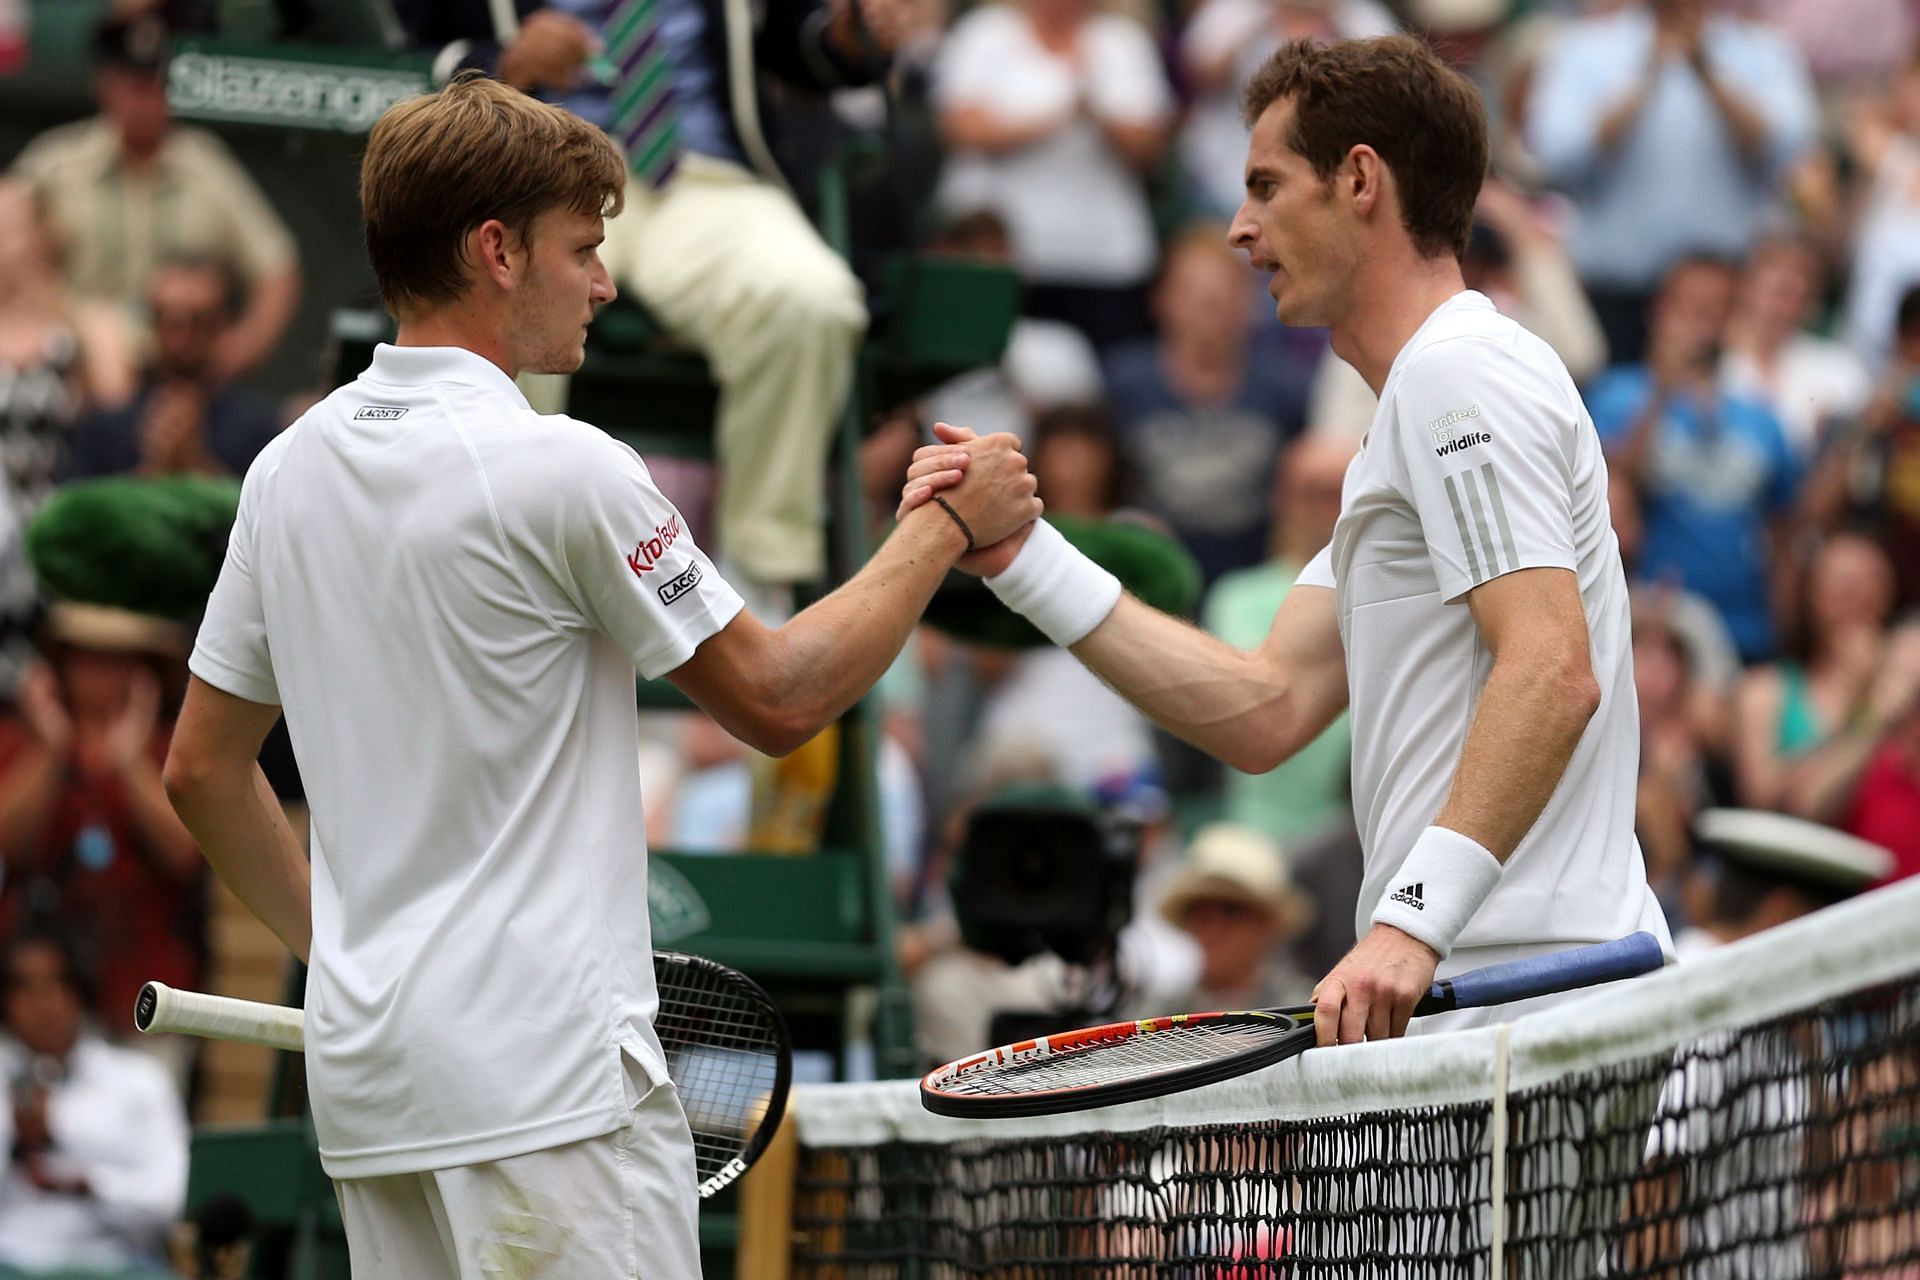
[[97, 1170], [1200, 424], [1872, 787], [1672, 130], [1714, 661], [1760, 870], [1518, 261], [1808, 381], [1716, 479], [59, 358], [1052, 112], [88, 838], [1309, 792], [1883, 142], [1672, 786], [1234, 898], [1789, 713], [128, 189], [1047, 363], [1881, 463], [1221, 47], [184, 418]]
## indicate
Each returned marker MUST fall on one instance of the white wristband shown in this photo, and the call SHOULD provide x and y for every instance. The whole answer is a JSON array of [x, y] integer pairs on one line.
[[1438, 888], [1056, 587]]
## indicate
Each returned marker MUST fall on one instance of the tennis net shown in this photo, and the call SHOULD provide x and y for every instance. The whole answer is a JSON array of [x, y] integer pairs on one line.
[[1752, 1114]]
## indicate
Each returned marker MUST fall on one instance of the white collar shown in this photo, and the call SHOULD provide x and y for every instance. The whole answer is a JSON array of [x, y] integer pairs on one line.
[[421, 366]]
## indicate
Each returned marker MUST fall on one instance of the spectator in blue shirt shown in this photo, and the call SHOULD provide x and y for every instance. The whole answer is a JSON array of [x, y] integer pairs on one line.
[[1672, 132], [1716, 477], [184, 418], [1200, 424]]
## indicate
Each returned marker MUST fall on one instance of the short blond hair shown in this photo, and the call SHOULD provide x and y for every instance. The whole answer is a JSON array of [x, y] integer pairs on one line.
[[439, 165]]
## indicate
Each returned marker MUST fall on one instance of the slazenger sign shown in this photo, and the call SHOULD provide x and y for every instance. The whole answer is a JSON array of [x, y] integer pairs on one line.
[[298, 95]]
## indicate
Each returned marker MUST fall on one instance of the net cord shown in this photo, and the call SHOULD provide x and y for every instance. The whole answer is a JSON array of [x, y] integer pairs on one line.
[[1845, 948]]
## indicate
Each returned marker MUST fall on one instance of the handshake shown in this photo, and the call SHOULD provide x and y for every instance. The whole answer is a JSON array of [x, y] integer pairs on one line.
[[984, 484]]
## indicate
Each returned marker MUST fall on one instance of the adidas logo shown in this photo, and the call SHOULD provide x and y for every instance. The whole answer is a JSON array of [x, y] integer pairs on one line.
[[1412, 894]]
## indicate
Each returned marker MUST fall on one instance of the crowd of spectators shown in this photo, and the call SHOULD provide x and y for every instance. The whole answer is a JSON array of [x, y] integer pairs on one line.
[[1709, 208]]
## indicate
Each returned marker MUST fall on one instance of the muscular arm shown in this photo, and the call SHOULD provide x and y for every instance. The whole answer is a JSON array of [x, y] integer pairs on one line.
[[776, 688], [1532, 710], [1250, 709], [218, 790], [1535, 705]]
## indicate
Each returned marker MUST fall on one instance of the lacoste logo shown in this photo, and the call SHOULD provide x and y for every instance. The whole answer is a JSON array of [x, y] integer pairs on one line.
[[1413, 895], [675, 587], [1446, 440], [647, 552], [379, 413]]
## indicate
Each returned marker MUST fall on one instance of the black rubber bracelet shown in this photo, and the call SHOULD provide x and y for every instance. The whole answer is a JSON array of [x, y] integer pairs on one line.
[[948, 508]]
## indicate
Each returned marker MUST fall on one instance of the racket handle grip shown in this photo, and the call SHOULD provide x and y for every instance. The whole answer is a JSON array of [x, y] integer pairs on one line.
[[1568, 970]]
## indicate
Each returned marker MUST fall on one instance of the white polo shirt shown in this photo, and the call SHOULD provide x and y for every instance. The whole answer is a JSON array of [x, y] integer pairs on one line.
[[450, 594], [1482, 460]]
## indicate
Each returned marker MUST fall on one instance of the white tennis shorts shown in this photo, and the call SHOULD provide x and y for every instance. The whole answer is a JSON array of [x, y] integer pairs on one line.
[[622, 1205]]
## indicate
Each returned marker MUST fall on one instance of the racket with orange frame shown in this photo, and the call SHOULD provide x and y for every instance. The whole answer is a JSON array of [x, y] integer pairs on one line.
[[1150, 1057]]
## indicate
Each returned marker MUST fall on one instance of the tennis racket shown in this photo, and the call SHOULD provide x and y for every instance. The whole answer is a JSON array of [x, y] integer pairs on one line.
[[1128, 1061], [726, 1045]]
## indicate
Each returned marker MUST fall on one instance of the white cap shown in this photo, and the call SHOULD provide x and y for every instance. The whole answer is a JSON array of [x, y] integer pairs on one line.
[[1228, 861], [1794, 848]]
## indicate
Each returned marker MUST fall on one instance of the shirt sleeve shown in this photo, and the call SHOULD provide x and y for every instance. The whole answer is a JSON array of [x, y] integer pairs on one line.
[[632, 570], [231, 652], [1319, 570], [1485, 455]]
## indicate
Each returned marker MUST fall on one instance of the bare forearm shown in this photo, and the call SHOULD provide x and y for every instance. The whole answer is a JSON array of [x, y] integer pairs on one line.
[[270, 308], [1819, 786], [1748, 126], [155, 821], [240, 827], [1634, 455], [26, 797], [1140, 145], [977, 129], [1524, 732], [832, 653], [1236, 705]]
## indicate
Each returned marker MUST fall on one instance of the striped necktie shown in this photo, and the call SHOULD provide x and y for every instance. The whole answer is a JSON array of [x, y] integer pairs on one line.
[[644, 120]]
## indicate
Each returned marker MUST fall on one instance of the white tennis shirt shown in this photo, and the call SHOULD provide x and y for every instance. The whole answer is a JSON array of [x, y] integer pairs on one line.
[[1482, 460], [449, 595]]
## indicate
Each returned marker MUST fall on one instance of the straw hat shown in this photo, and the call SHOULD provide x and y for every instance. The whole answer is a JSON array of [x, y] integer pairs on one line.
[[1793, 849], [1229, 862], [104, 629]]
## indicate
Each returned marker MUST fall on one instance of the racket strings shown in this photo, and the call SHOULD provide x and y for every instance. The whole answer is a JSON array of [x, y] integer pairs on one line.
[[1124, 1058], [723, 1050]]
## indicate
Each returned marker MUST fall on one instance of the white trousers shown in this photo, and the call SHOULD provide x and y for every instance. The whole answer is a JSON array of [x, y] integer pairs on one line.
[[729, 264], [621, 1206]]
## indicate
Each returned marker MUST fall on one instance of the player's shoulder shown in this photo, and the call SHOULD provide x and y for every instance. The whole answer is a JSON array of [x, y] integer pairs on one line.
[[64, 145], [1481, 350]]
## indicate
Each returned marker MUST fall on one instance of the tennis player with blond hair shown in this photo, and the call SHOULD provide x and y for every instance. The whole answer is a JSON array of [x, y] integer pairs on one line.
[[449, 595], [1471, 608]]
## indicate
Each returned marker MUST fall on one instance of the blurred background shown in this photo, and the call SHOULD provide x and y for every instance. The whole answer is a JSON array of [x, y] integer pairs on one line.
[[1009, 216]]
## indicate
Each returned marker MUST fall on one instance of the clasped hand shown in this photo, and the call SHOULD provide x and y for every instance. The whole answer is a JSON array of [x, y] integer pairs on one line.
[[986, 482]]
